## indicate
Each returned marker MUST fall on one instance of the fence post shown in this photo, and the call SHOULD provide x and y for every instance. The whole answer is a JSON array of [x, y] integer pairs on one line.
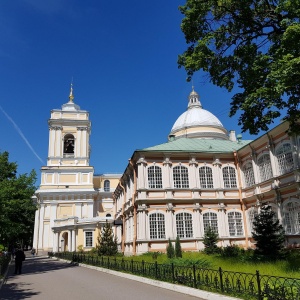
[[156, 269], [143, 266], [173, 273], [108, 262], [221, 279], [258, 285], [194, 274]]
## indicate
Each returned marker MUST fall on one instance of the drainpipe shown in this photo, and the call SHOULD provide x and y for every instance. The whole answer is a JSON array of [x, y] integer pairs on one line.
[[123, 216], [134, 208], [240, 196]]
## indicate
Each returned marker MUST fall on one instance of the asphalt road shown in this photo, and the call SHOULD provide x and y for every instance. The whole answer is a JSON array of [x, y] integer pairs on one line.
[[44, 278]]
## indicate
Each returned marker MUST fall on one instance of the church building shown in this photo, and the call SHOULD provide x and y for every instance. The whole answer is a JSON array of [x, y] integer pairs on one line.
[[203, 176]]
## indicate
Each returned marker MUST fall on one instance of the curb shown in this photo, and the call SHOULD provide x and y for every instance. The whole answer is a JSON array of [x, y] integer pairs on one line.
[[165, 285]]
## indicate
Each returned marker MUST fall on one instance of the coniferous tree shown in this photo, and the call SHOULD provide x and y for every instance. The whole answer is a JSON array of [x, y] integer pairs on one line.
[[268, 233], [170, 250], [178, 251], [107, 243], [210, 241]]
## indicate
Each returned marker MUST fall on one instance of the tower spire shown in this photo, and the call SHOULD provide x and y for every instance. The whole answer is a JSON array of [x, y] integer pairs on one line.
[[71, 96]]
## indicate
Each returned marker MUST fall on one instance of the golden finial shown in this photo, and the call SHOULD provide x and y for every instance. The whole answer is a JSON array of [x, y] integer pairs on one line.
[[71, 97]]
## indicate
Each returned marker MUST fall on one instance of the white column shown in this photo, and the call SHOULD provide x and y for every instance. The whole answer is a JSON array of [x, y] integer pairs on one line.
[[51, 141], [70, 241], [193, 179], [74, 240], [41, 229], [55, 246], [196, 218], [169, 222], [36, 229], [166, 173]]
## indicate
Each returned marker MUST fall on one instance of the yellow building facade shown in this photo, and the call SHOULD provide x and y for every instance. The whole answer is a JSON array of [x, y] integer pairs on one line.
[[73, 202]]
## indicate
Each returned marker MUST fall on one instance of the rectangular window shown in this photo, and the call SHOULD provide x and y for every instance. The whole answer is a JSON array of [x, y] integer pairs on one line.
[[88, 239]]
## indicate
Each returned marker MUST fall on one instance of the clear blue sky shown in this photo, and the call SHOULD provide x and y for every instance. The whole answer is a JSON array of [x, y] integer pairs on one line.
[[122, 56]]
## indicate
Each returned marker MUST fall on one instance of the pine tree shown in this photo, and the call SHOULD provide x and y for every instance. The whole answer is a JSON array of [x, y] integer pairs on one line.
[[178, 252], [107, 243], [268, 233], [170, 250], [210, 241]]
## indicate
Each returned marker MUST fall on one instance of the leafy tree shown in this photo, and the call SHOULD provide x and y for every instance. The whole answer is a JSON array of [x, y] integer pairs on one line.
[[178, 251], [17, 209], [268, 233], [251, 44], [107, 243], [170, 250], [210, 241]]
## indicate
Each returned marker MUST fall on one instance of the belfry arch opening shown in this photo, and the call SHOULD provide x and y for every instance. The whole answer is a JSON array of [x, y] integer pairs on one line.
[[69, 144]]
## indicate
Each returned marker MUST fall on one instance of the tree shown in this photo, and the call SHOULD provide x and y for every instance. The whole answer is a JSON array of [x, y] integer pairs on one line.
[[268, 233], [178, 252], [170, 250], [107, 243], [253, 45], [17, 209], [210, 241]]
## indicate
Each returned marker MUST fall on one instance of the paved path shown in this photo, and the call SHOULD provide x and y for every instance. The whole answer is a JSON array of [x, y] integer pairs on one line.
[[44, 278]]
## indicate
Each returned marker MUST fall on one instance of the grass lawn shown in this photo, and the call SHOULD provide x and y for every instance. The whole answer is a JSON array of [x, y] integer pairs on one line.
[[289, 267]]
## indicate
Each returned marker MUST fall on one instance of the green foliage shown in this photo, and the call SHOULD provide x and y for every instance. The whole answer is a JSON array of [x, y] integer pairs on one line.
[[107, 243], [170, 250], [80, 248], [231, 251], [252, 45], [178, 251], [210, 241], [17, 209], [268, 233]]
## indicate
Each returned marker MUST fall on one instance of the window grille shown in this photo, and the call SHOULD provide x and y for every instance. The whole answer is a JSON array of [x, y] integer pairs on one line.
[[88, 239], [210, 219], [285, 158], [292, 218], [249, 174], [184, 225], [235, 223], [252, 213], [106, 186], [180, 177], [157, 226], [265, 169], [206, 177], [229, 177], [154, 177]]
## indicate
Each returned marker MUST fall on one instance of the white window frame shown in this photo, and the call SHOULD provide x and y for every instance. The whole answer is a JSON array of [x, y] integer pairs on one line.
[[106, 186], [265, 167], [157, 226], [235, 223], [284, 157], [181, 177], [248, 174], [206, 177], [252, 213], [229, 177], [210, 219], [154, 177], [291, 212], [184, 225], [88, 239]]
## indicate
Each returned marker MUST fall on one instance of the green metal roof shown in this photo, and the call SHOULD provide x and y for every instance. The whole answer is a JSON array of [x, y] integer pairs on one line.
[[198, 145]]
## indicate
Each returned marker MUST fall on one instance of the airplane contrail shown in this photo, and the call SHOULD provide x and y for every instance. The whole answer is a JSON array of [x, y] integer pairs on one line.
[[21, 134]]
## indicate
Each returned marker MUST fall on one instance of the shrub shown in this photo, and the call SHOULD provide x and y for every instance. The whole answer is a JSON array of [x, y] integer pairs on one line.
[[231, 251], [178, 251], [107, 243], [170, 250], [210, 241], [80, 248]]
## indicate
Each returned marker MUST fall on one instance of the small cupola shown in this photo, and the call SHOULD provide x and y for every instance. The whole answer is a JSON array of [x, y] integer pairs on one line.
[[194, 99]]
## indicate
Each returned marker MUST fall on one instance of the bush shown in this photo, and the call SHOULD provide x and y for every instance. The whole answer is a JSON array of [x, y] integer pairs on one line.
[[170, 250], [231, 251], [210, 241], [178, 252]]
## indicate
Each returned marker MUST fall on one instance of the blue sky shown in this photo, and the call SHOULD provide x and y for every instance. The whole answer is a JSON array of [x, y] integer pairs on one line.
[[122, 56]]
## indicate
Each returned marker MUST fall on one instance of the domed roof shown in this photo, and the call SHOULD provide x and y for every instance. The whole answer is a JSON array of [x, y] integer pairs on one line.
[[197, 122]]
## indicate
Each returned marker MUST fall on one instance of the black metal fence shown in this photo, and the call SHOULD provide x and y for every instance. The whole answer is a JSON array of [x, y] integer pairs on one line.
[[239, 284], [4, 261]]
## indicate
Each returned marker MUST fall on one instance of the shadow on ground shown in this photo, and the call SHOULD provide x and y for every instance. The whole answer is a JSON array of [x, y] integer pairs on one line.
[[15, 287]]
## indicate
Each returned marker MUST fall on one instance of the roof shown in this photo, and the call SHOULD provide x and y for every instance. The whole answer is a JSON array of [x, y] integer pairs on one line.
[[199, 145]]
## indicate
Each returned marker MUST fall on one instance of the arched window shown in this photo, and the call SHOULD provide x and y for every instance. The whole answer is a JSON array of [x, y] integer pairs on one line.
[[252, 213], [69, 144], [248, 174], [108, 215], [285, 158], [157, 226], [180, 177], [184, 225], [106, 186], [229, 177], [264, 166], [235, 223], [210, 219], [206, 178], [292, 217], [154, 177]]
